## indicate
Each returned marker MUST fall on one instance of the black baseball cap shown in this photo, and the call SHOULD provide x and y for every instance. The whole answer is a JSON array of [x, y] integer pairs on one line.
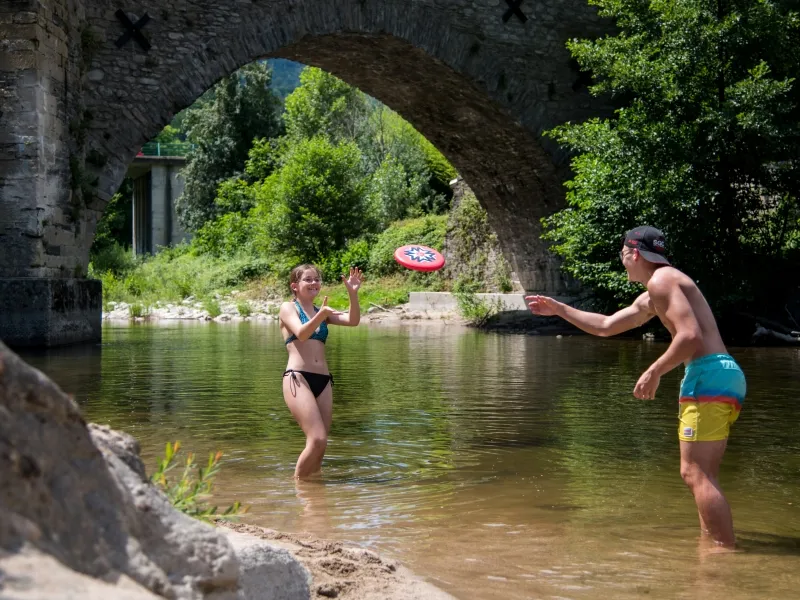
[[650, 243]]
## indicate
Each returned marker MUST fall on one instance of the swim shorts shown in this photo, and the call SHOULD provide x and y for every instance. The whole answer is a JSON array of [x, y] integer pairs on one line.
[[712, 393]]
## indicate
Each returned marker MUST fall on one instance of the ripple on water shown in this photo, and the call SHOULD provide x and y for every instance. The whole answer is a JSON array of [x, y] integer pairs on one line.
[[509, 466]]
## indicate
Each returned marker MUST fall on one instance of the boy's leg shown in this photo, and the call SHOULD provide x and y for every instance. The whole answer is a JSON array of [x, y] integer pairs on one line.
[[700, 462]]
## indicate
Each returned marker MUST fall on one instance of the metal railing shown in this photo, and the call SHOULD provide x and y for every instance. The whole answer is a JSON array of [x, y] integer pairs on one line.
[[162, 149]]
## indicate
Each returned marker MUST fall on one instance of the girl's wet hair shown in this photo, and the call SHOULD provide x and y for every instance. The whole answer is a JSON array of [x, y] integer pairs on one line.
[[297, 274]]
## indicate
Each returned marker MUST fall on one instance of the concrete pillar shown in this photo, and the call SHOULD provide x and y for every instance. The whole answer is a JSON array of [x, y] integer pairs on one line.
[[161, 206]]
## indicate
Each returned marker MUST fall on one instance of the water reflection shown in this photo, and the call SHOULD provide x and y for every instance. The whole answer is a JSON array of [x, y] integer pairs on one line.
[[499, 466]]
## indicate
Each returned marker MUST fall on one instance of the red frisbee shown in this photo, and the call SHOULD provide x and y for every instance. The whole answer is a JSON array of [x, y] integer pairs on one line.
[[419, 258]]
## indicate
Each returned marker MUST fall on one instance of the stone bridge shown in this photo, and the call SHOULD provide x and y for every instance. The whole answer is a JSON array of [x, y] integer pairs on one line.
[[84, 83]]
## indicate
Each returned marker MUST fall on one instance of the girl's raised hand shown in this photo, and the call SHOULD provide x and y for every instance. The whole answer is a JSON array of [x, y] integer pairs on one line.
[[328, 310], [353, 282]]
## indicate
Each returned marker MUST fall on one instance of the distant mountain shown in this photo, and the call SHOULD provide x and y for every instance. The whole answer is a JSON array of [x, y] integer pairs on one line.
[[285, 76]]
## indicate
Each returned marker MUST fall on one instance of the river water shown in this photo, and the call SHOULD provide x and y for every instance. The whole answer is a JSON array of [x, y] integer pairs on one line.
[[496, 466]]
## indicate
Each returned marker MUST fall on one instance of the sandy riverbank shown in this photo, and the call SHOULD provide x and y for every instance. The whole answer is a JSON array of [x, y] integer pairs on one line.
[[346, 572]]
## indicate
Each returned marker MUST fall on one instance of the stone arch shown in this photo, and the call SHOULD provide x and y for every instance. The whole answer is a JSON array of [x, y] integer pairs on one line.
[[480, 88]]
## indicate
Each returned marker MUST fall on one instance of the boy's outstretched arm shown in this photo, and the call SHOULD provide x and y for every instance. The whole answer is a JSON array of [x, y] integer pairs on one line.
[[630, 317]]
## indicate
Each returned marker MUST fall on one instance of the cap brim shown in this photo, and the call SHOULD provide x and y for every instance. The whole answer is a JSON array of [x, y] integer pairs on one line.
[[654, 257]]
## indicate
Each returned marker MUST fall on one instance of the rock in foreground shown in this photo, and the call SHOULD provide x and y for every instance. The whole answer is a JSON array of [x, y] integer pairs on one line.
[[79, 518]]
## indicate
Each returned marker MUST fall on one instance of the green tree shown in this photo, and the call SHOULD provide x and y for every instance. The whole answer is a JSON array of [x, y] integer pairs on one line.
[[704, 146], [316, 202], [243, 109], [168, 135], [393, 192], [394, 145], [324, 105]]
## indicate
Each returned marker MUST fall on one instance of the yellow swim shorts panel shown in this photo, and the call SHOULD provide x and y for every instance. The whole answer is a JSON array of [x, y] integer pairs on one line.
[[705, 421]]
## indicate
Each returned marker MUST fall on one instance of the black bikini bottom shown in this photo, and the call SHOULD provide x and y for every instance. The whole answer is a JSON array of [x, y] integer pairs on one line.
[[317, 382]]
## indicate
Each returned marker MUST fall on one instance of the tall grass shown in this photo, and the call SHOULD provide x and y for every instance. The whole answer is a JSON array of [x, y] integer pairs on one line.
[[175, 274], [385, 291]]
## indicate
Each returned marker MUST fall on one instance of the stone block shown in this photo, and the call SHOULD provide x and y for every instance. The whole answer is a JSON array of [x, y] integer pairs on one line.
[[49, 312], [15, 61]]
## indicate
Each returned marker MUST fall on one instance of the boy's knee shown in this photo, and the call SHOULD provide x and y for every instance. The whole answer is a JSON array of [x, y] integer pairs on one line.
[[691, 474]]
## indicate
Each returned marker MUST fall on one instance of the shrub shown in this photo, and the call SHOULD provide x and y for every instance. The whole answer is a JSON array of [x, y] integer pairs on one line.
[[245, 268], [474, 310], [336, 264], [112, 258], [190, 492], [212, 306], [244, 308], [224, 236]]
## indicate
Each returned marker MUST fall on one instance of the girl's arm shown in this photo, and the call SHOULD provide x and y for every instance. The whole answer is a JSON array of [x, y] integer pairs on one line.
[[353, 315], [303, 331]]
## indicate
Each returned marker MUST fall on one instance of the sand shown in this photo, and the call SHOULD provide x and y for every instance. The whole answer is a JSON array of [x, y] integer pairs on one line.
[[347, 572]]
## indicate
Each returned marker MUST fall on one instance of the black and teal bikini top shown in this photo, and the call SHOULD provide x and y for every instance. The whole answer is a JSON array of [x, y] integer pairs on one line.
[[320, 334]]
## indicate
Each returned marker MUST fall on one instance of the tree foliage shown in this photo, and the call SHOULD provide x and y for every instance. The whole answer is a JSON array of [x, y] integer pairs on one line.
[[116, 226], [345, 169], [243, 109], [411, 177], [408, 176], [316, 202], [324, 105], [704, 146]]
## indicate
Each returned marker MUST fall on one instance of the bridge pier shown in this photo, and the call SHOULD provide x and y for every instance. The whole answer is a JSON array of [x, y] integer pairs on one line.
[[47, 213], [49, 312]]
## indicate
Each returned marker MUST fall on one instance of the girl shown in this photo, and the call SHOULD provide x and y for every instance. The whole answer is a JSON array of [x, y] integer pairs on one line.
[[307, 381]]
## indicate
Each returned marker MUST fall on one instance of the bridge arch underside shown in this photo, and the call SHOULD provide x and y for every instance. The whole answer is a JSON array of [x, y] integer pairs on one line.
[[515, 179], [481, 89]]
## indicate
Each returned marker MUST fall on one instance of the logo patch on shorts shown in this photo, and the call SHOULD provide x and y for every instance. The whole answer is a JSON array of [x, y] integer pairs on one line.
[[688, 432]]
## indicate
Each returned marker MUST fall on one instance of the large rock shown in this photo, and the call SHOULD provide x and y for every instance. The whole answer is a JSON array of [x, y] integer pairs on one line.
[[75, 504], [268, 572], [33, 575]]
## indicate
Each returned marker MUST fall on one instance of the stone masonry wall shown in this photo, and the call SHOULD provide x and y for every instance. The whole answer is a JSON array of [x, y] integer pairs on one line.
[[43, 231], [481, 89]]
